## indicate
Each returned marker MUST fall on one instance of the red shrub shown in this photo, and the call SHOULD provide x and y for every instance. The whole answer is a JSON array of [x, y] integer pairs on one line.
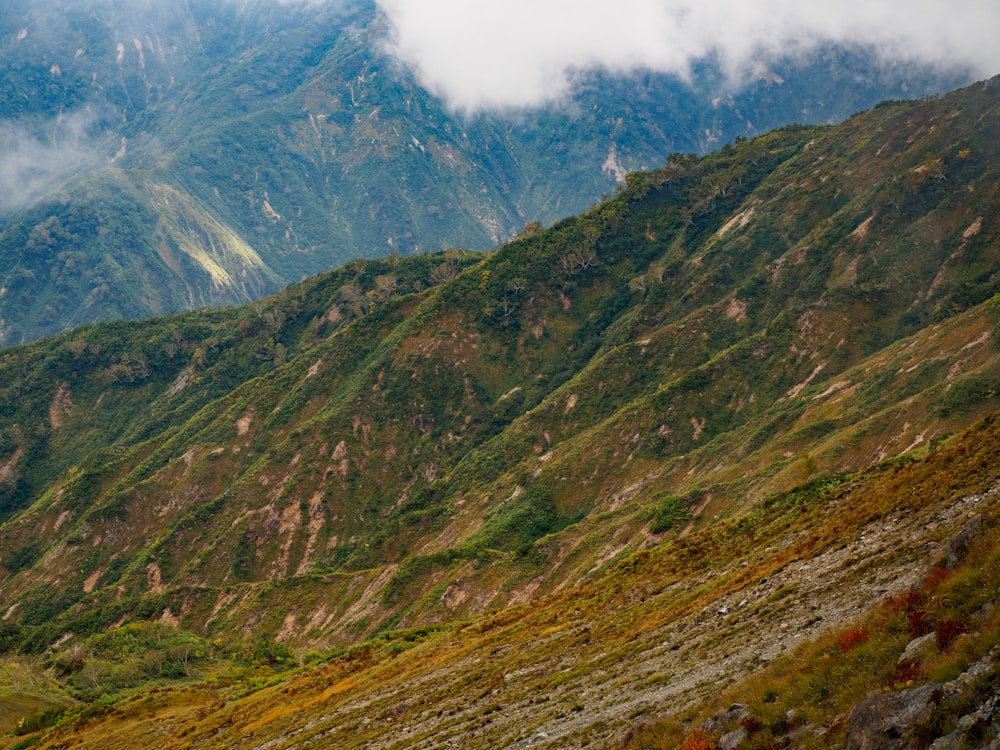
[[936, 577], [698, 740], [752, 724], [918, 623], [947, 631], [907, 671], [907, 601], [850, 639]]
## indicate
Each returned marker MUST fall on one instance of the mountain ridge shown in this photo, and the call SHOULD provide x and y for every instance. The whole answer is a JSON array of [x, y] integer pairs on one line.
[[742, 355]]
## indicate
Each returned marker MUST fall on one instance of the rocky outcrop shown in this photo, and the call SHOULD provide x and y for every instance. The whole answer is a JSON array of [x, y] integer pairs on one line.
[[933, 715], [958, 546], [725, 719], [886, 722]]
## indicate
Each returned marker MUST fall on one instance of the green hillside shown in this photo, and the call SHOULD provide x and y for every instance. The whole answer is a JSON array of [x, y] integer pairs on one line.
[[531, 492]]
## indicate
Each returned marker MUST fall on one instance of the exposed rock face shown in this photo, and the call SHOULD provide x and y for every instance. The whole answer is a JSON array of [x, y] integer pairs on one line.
[[725, 719], [886, 722], [891, 721], [958, 545]]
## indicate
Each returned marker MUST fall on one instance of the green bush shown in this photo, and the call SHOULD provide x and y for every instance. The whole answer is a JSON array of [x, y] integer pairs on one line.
[[671, 511]]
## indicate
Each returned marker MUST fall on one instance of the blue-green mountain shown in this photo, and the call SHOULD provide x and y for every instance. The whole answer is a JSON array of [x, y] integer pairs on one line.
[[169, 156]]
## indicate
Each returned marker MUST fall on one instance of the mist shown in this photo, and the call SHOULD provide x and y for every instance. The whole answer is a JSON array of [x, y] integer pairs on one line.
[[482, 54], [35, 160]]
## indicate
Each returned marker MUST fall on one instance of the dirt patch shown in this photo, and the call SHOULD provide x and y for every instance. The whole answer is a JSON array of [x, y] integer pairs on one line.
[[455, 595], [91, 581], [288, 523], [739, 221], [736, 310], [314, 526], [154, 579], [61, 406], [287, 630], [244, 422], [182, 381], [798, 388], [63, 518], [8, 471], [861, 230], [973, 229]]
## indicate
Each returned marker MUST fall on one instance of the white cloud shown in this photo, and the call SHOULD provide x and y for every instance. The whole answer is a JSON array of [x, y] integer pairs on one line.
[[520, 53], [35, 161]]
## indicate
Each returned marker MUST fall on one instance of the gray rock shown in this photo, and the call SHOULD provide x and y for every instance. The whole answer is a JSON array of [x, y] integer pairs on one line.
[[885, 722], [917, 648], [723, 719], [732, 740], [958, 545], [951, 741]]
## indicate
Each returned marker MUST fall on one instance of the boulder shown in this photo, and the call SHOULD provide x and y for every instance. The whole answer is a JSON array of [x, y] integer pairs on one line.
[[732, 740], [957, 547], [918, 648], [725, 718], [886, 722]]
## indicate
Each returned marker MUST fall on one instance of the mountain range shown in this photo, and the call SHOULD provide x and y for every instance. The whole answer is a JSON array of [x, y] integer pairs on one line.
[[728, 436], [159, 157]]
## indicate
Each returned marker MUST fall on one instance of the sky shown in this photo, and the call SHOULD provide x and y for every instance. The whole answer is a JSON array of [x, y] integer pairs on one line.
[[487, 54]]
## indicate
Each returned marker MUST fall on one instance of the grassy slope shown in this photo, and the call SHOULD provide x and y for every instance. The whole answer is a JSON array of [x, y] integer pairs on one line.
[[414, 442], [652, 635], [551, 399]]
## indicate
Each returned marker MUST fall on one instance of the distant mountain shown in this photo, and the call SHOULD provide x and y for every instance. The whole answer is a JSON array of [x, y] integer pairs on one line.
[[169, 156]]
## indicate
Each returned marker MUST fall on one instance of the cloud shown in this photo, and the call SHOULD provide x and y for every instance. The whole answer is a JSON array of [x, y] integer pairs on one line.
[[34, 161], [485, 54]]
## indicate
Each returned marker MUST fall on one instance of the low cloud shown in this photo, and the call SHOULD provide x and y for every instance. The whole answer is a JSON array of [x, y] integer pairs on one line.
[[36, 160], [484, 54]]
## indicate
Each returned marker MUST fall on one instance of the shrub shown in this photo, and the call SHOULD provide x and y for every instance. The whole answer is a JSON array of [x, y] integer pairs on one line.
[[947, 632], [670, 512], [698, 740], [848, 640]]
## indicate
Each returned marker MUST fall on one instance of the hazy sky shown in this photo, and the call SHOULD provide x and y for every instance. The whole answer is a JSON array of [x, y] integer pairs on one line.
[[515, 53]]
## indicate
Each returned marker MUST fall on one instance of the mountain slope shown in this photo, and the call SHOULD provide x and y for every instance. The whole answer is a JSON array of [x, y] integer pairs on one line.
[[656, 636], [745, 305], [414, 442], [289, 127]]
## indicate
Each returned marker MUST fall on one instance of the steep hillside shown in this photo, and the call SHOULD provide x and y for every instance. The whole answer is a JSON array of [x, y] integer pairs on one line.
[[615, 410], [777, 591], [210, 153]]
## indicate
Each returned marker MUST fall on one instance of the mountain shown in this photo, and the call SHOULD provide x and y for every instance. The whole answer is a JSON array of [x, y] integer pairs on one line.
[[556, 493], [168, 156]]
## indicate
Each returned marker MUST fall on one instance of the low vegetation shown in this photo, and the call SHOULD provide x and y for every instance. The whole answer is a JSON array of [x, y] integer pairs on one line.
[[563, 492]]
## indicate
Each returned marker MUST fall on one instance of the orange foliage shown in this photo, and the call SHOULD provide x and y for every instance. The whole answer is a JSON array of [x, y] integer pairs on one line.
[[698, 740], [851, 638]]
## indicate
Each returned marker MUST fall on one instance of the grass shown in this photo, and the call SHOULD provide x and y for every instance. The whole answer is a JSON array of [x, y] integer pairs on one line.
[[581, 647]]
